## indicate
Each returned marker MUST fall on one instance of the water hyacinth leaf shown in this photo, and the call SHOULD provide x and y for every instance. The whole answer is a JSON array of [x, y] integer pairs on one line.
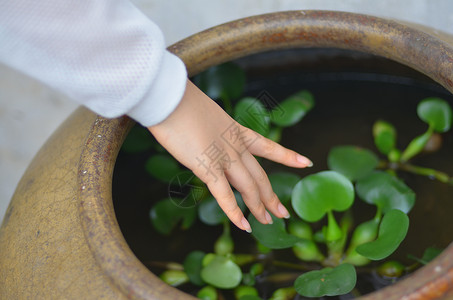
[[163, 167], [392, 231], [317, 194], [283, 184], [300, 229], [352, 161], [193, 265], [251, 113], [307, 250], [273, 235], [174, 277], [210, 212], [385, 191], [225, 81], [436, 112], [292, 109], [245, 290], [416, 145], [364, 233], [428, 255], [207, 293], [275, 134], [165, 216], [224, 245], [222, 272], [327, 282], [384, 136], [287, 293]]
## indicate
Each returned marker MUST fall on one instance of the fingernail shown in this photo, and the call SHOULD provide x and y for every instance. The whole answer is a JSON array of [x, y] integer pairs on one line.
[[268, 218], [282, 209], [304, 160], [246, 225]]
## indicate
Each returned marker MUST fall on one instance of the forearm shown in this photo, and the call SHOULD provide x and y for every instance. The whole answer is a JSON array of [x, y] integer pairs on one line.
[[103, 54]]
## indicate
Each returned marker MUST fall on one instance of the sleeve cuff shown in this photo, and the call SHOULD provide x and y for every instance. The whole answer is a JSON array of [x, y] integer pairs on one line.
[[164, 94]]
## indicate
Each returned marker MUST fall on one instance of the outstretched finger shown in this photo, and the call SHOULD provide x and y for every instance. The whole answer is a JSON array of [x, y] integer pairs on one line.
[[221, 190], [267, 195], [240, 177], [271, 150]]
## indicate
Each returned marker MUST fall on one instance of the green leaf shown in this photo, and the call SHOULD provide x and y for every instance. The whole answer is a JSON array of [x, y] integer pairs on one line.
[[287, 293], [273, 235], [139, 139], [225, 81], [207, 293], [174, 277], [283, 184], [317, 194], [243, 290], [352, 161], [222, 272], [251, 113], [436, 112], [327, 282], [300, 229], [384, 136], [429, 254], [210, 212], [364, 233], [416, 145], [275, 134], [193, 265], [165, 215], [392, 231], [386, 192], [224, 245], [307, 250], [163, 167], [292, 109]]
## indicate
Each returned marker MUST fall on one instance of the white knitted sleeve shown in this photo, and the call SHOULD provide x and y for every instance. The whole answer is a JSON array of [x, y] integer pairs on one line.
[[104, 54]]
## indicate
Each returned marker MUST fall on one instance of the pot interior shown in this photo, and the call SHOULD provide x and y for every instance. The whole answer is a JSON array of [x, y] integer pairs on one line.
[[352, 90]]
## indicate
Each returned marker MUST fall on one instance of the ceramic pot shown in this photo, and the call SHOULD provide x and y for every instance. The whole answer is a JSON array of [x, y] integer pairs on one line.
[[60, 238]]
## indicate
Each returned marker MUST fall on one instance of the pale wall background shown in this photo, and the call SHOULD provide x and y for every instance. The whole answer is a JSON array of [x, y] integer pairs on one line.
[[30, 112]]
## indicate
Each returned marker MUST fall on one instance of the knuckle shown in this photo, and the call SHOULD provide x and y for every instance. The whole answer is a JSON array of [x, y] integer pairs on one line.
[[272, 200], [261, 177], [251, 187], [232, 210], [258, 210]]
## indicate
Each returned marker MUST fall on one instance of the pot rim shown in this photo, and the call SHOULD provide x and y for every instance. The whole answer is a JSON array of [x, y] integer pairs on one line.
[[282, 30]]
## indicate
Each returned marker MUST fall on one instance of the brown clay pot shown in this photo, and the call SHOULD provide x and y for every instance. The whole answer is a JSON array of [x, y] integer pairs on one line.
[[60, 238]]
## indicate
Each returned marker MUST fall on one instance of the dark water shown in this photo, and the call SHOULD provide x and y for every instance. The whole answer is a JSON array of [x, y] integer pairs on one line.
[[348, 101]]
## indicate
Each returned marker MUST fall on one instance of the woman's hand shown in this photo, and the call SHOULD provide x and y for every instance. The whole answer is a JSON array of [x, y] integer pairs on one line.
[[220, 151]]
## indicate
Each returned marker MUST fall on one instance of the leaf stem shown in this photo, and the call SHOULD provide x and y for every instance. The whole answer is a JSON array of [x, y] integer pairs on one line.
[[407, 167], [334, 231], [378, 215], [284, 264], [441, 176]]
